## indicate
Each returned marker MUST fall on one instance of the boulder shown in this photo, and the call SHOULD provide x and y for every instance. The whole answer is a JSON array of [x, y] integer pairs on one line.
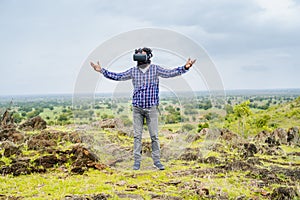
[[279, 135], [111, 123], [35, 123], [230, 136], [36, 144], [10, 149], [293, 136], [11, 134], [285, 193], [7, 119], [262, 136]]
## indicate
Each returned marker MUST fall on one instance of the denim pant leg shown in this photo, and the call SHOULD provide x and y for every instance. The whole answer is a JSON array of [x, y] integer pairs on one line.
[[152, 122], [138, 121]]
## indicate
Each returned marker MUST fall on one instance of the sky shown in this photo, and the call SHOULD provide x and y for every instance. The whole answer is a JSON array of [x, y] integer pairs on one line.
[[254, 44]]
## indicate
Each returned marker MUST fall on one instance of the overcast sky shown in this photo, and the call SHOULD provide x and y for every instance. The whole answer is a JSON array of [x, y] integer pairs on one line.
[[254, 43]]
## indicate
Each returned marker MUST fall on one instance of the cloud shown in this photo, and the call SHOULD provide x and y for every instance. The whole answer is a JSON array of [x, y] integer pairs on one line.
[[46, 41], [286, 13], [254, 68]]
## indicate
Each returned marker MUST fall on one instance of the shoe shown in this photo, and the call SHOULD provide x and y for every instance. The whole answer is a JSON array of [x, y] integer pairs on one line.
[[159, 166], [136, 166]]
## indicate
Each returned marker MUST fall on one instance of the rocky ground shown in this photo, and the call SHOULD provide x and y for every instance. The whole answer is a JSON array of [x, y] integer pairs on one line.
[[199, 166]]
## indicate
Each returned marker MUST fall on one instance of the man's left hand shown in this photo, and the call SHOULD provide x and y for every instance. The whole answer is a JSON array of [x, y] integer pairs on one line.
[[189, 63]]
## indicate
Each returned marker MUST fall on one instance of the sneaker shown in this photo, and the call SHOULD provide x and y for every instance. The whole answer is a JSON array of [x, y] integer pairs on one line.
[[159, 166], [136, 166]]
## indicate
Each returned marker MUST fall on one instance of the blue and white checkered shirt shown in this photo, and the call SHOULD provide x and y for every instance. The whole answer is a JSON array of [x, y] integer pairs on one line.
[[146, 85]]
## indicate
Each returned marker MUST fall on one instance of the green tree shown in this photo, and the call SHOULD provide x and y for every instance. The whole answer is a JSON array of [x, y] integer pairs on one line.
[[242, 111]]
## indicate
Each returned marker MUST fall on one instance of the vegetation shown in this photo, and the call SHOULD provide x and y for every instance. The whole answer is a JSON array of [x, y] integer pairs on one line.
[[198, 166]]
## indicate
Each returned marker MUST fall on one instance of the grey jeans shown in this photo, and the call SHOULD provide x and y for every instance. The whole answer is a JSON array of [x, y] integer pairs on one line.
[[151, 116]]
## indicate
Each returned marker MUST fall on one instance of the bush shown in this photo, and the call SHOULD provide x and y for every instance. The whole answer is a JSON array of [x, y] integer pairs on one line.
[[202, 126], [187, 127]]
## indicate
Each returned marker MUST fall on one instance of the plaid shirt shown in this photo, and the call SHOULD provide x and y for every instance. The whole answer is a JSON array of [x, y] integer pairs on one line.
[[146, 85]]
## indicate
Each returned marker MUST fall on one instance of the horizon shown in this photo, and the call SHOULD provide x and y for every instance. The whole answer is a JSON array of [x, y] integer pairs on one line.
[[235, 91]]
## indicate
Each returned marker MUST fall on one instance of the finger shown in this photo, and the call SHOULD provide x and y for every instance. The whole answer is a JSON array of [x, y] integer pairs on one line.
[[98, 63], [193, 61]]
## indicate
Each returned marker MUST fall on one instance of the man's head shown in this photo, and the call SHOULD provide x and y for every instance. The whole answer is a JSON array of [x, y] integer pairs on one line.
[[142, 56]]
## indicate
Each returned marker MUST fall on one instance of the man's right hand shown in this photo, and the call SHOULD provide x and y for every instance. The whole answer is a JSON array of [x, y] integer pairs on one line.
[[97, 67]]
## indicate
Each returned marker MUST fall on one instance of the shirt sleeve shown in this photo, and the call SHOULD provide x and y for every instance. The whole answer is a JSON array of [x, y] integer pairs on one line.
[[168, 73], [122, 76]]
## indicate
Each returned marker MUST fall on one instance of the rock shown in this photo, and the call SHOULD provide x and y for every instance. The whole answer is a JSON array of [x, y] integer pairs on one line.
[[126, 132], [192, 137], [249, 149], [7, 119], [204, 131], [35, 123], [202, 192], [11, 134], [285, 193], [3, 197], [8, 129], [146, 148], [293, 136], [47, 161], [111, 123], [237, 165], [81, 152], [163, 197], [262, 136], [211, 160], [19, 168], [254, 161], [88, 197], [130, 196], [230, 136], [83, 159], [280, 136], [10, 149], [35, 144], [190, 155]]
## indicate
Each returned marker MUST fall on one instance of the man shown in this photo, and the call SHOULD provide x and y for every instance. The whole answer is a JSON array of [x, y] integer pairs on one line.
[[145, 79]]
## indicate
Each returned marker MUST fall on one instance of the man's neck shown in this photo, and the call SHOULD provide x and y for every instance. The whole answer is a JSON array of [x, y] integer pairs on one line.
[[144, 69]]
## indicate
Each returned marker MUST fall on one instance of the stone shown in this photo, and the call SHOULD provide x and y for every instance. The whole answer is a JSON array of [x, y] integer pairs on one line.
[[111, 123], [284, 193], [35, 123], [293, 136]]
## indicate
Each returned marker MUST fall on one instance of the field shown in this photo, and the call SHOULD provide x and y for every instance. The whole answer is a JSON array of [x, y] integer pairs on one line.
[[244, 146]]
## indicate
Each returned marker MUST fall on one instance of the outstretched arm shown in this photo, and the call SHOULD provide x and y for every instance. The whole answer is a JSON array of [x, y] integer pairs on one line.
[[168, 73], [112, 75], [189, 63], [97, 67]]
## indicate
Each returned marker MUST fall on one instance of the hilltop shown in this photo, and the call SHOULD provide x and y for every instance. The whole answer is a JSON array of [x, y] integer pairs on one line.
[[93, 161]]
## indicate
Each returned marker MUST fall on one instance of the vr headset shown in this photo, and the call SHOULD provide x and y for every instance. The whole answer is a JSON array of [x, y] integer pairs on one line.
[[142, 58]]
